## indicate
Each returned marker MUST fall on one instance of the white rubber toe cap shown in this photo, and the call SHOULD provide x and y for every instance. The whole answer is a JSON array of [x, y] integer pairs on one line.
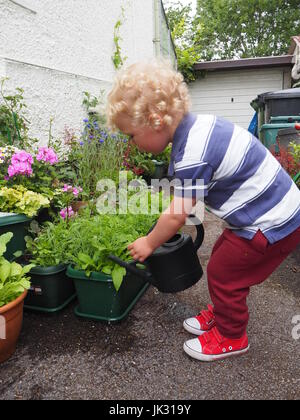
[[193, 326], [193, 347]]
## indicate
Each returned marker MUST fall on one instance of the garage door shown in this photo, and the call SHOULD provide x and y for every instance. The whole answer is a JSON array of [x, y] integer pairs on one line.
[[229, 93]]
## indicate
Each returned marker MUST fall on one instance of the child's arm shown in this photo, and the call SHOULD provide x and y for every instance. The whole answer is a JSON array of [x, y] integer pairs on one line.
[[167, 226]]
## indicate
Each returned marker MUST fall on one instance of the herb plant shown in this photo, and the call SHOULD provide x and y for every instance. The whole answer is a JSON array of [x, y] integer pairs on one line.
[[88, 240]]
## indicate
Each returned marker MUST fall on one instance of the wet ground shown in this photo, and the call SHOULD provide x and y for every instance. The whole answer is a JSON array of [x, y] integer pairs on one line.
[[63, 357]]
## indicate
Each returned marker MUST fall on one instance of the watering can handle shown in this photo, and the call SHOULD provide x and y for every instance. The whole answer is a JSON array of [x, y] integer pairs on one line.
[[131, 267], [200, 231]]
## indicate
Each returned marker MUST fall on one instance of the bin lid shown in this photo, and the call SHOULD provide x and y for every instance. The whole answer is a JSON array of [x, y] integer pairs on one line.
[[12, 218], [280, 94]]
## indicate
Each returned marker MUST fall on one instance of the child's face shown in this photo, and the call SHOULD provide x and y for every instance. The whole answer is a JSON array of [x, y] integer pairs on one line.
[[146, 138]]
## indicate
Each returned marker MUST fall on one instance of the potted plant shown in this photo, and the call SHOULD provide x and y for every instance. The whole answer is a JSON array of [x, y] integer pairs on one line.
[[51, 290], [105, 291], [18, 206], [14, 284], [147, 165]]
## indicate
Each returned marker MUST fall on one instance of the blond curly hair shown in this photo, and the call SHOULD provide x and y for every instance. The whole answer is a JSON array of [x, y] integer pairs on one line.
[[148, 93]]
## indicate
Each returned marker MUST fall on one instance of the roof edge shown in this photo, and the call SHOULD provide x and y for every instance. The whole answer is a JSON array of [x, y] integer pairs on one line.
[[250, 63]]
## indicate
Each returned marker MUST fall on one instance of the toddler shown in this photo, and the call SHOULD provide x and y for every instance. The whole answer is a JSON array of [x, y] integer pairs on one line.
[[241, 182]]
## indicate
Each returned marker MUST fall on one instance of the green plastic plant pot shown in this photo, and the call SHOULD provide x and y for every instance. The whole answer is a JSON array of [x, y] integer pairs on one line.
[[51, 290], [269, 132], [98, 299], [17, 224]]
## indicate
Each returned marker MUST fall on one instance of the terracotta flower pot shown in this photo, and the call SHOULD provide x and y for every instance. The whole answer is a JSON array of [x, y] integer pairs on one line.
[[12, 316]]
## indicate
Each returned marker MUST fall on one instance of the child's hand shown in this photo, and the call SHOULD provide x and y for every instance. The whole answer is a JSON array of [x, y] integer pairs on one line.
[[141, 249]]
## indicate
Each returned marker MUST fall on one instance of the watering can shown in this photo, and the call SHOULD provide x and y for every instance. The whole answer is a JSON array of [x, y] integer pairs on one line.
[[174, 266]]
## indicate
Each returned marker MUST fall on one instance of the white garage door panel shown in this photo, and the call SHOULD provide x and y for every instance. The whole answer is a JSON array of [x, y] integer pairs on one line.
[[252, 82], [228, 94]]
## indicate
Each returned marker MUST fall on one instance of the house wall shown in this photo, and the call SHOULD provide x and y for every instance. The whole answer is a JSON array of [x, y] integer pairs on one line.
[[57, 49], [229, 93]]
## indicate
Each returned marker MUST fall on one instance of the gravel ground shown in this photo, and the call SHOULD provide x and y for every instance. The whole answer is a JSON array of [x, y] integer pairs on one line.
[[63, 357]]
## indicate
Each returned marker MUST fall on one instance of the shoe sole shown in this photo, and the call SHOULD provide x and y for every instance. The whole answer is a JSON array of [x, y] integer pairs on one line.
[[212, 358], [193, 330]]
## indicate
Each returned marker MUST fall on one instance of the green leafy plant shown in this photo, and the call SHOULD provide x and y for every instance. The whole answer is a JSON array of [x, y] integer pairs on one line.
[[22, 201], [88, 240], [117, 58], [98, 154], [13, 277], [295, 152], [14, 125], [288, 158]]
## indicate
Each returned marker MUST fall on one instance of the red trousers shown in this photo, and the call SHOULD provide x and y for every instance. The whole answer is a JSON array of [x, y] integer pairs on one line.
[[235, 265]]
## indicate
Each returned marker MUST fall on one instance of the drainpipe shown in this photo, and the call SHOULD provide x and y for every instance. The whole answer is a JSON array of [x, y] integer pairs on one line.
[[156, 40]]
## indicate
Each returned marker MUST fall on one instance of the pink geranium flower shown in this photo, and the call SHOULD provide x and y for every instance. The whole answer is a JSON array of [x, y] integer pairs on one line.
[[20, 164], [22, 156], [47, 155], [74, 190], [67, 212]]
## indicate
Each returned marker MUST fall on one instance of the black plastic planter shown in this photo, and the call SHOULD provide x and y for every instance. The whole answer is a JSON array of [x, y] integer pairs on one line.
[[51, 290], [17, 224], [98, 299]]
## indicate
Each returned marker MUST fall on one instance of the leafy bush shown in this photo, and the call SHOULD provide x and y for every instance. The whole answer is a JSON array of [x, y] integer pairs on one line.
[[20, 200], [289, 158], [13, 279]]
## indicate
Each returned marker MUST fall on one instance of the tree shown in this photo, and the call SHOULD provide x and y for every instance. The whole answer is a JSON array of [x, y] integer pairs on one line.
[[226, 29], [182, 29]]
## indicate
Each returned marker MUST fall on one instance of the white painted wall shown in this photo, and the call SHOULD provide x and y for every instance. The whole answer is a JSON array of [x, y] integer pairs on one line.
[[229, 93], [56, 49]]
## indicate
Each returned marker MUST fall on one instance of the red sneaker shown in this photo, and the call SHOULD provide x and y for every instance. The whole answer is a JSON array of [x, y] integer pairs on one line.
[[213, 346], [202, 323]]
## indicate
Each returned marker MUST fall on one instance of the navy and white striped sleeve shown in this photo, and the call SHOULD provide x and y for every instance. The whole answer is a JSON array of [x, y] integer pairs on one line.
[[192, 179]]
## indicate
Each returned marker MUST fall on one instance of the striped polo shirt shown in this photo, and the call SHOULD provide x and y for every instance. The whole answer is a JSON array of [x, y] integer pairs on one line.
[[238, 178]]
